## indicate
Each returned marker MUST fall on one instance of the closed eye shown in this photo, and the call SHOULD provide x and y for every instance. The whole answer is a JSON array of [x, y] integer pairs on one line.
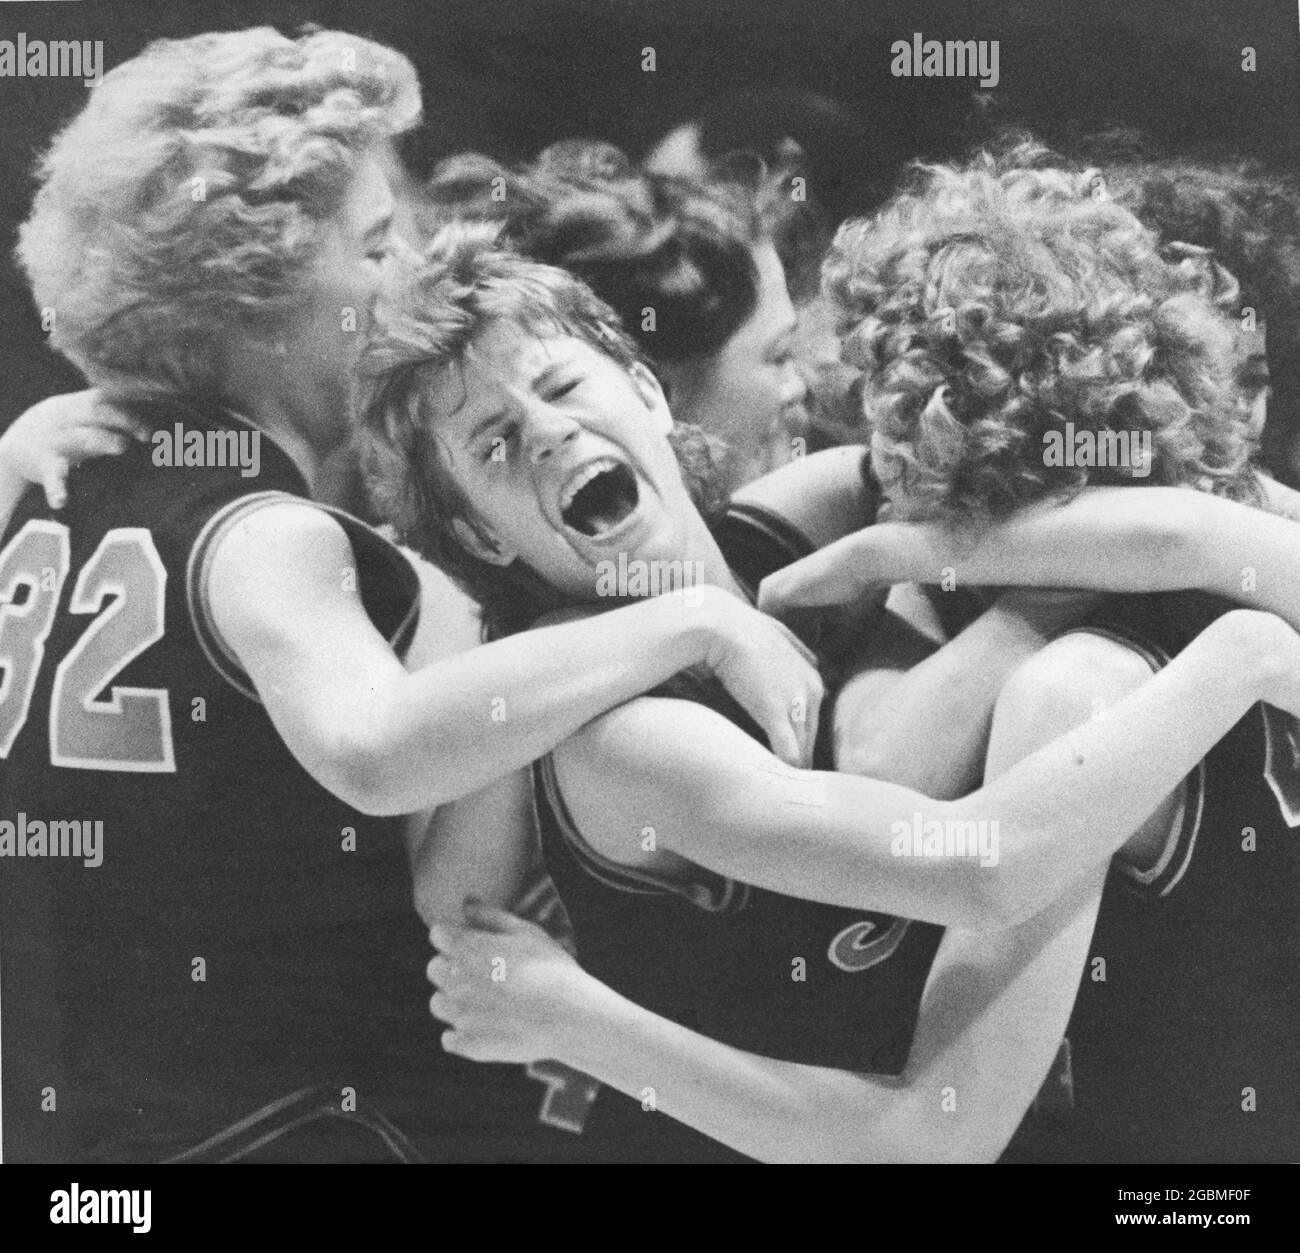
[[562, 390]]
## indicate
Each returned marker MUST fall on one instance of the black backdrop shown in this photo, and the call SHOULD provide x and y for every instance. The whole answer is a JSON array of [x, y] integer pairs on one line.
[[508, 76]]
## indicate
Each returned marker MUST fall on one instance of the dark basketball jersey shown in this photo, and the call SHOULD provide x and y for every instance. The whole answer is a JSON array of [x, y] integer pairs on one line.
[[755, 969], [243, 971], [1184, 1043]]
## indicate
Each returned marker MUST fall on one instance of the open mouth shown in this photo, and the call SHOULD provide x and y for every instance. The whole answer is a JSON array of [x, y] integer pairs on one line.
[[599, 498]]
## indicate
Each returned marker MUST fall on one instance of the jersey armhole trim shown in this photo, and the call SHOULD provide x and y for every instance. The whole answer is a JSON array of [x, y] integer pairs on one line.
[[796, 544], [199, 567], [1164, 874], [722, 896], [198, 570]]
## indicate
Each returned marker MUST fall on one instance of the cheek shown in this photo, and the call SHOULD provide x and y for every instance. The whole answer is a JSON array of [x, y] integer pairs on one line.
[[729, 399]]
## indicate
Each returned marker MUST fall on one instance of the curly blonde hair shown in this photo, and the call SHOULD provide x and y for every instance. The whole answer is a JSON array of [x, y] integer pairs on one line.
[[990, 304], [190, 191]]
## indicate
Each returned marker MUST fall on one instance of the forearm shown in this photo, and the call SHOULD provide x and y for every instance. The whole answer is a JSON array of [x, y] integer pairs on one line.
[[1114, 539], [455, 726], [990, 859], [479, 846], [994, 1011], [771, 1110]]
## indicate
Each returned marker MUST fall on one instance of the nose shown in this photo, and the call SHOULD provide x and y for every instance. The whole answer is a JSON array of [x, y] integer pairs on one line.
[[546, 430]]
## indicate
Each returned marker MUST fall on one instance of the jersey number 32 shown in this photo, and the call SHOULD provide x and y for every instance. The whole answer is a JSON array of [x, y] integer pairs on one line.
[[129, 728]]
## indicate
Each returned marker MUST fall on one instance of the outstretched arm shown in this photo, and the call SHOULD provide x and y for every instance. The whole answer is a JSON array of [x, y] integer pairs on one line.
[[394, 742], [1117, 539], [989, 1027], [715, 797]]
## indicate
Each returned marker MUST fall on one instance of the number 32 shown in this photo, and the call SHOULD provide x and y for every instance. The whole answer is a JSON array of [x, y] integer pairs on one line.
[[131, 729]]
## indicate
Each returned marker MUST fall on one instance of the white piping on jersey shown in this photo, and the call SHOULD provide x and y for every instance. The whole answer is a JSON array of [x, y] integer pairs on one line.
[[728, 895], [198, 568], [1180, 840]]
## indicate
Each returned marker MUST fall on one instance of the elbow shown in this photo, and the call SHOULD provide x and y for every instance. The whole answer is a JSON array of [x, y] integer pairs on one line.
[[358, 768], [859, 1133], [1000, 899]]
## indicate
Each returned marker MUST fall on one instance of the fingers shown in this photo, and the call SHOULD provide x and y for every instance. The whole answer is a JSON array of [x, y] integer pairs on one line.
[[445, 937], [54, 479], [95, 441], [109, 417]]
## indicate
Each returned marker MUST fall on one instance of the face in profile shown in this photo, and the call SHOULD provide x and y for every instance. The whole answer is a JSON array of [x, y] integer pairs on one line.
[[562, 454], [323, 335], [750, 393]]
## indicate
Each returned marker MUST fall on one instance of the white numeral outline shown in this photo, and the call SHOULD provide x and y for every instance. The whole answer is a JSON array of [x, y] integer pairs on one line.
[[87, 597], [38, 600]]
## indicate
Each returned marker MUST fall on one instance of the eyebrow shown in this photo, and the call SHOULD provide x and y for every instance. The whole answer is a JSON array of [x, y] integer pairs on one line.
[[538, 384], [487, 424], [551, 369]]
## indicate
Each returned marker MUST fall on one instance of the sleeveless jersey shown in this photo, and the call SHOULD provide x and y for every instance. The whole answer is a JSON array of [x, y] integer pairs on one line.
[[764, 972], [1184, 1042], [238, 935]]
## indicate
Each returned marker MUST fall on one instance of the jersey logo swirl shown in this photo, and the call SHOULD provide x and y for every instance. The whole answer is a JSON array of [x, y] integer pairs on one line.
[[864, 944]]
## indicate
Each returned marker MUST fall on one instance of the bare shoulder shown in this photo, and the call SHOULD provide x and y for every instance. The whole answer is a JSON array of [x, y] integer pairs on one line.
[[641, 759], [271, 552], [450, 620], [1074, 670]]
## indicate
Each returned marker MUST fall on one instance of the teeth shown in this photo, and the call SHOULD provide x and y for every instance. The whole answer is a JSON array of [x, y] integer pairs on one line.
[[583, 477]]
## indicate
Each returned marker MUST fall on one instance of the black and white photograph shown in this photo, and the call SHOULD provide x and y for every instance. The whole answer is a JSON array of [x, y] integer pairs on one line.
[[650, 582]]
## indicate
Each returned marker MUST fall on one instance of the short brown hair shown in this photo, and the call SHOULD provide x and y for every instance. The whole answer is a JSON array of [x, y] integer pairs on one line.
[[463, 284]]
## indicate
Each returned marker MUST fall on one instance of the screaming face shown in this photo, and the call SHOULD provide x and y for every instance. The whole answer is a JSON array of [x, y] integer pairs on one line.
[[563, 455]]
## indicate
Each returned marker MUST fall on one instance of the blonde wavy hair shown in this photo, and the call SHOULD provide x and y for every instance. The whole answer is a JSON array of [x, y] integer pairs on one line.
[[190, 192], [992, 303]]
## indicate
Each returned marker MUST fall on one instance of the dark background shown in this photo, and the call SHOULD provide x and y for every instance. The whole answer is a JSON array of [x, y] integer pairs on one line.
[[510, 77]]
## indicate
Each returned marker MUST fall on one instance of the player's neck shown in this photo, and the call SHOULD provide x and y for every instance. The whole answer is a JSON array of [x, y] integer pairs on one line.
[[701, 554], [304, 413]]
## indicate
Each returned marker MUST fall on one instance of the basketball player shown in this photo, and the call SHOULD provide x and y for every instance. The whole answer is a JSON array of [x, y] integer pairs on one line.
[[1181, 1045], [529, 452], [208, 942]]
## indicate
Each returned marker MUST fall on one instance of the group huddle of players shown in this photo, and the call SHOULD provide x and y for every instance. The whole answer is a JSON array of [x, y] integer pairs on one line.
[[342, 779]]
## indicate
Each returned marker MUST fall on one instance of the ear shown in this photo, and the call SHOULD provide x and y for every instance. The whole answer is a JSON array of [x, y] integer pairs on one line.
[[652, 393], [485, 546]]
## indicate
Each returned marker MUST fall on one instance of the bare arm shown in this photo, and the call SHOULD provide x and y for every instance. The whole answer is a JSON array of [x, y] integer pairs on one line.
[[994, 1010], [921, 717], [1121, 539], [988, 1031], [479, 845], [394, 742], [716, 798], [989, 1028]]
